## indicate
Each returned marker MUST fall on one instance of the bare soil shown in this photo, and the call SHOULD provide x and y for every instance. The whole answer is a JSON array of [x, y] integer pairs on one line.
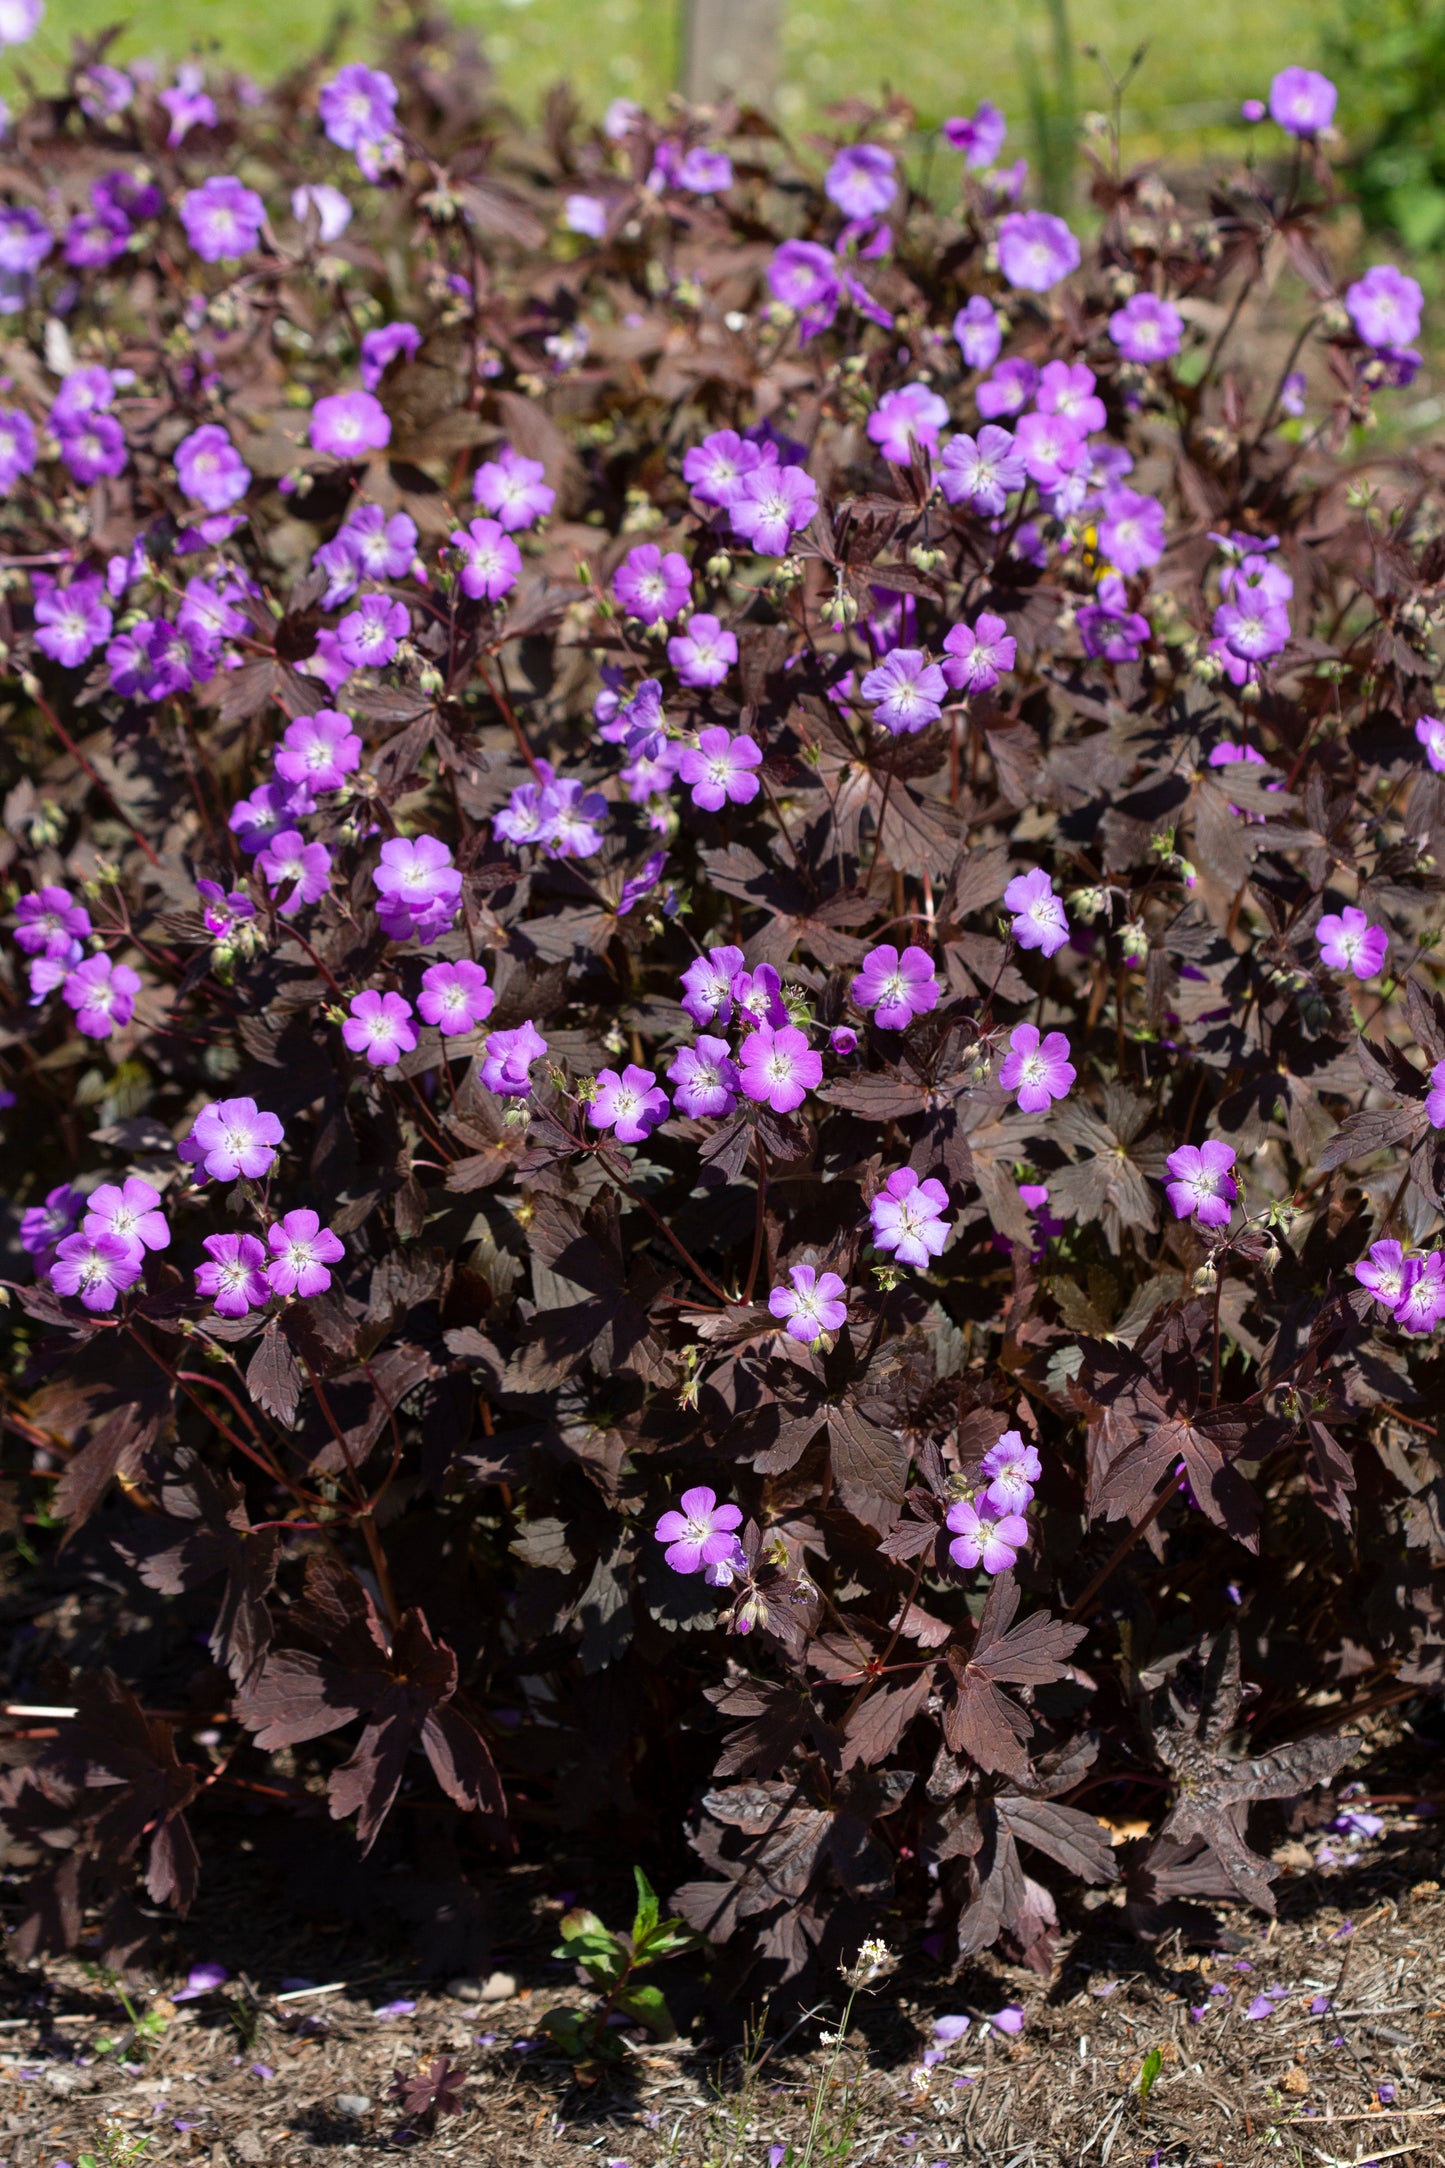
[[1349, 2067]]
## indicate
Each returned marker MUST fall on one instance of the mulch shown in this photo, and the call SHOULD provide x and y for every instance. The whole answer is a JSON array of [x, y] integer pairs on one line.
[[1318, 2036]]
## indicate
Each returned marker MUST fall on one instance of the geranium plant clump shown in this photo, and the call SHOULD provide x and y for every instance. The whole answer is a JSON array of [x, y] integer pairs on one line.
[[721, 1049]]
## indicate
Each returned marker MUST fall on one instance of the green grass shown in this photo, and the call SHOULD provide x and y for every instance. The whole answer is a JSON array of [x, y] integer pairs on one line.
[[941, 54]]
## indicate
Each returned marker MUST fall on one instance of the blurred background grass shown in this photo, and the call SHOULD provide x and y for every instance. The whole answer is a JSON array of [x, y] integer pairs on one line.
[[1031, 56], [943, 55]]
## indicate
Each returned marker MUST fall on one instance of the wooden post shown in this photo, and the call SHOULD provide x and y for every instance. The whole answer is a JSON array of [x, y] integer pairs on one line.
[[731, 47]]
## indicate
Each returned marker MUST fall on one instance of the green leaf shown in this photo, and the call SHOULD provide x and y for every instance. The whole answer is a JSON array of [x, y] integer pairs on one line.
[[579, 1921], [646, 2005], [565, 2027], [1153, 2063], [645, 1918]]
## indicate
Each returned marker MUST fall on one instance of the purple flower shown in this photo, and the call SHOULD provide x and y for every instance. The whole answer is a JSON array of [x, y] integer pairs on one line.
[[1039, 1070], [1108, 627], [130, 1211], [907, 1218], [1348, 942], [714, 469], [331, 210], [201, 1980], [804, 275], [48, 972], [980, 471], [232, 1138], [1302, 101], [908, 691], [1252, 628], [1292, 394], [1131, 530], [813, 1305], [525, 817], [701, 1534], [1068, 389], [630, 1105], [1385, 307], [1147, 329], [759, 995], [369, 636], [718, 769], [84, 391], [320, 750], [906, 420], [94, 239], [860, 180], [19, 20], [704, 653], [1387, 1272], [43, 1225], [71, 622], [357, 106], [349, 424], [987, 1539], [778, 1068], [222, 219], [1422, 1303], [270, 808], [573, 818], [1040, 921], [1202, 1186], [1435, 1097], [25, 242], [188, 104], [96, 1267], [896, 988], [642, 883], [652, 586], [222, 913], [102, 995], [301, 1249], [506, 1066], [1035, 250], [208, 614], [380, 1027], [843, 1039], [235, 1277], [707, 985], [706, 1079], [47, 922], [93, 445], [491, 560], [382, 548], [705, 172], [585, 214], [1050, 446], [419, 886], [1430, 731], [1008, 390], [975, 656], [455, 997], [771, 506], [1012, 1468], [977, 330], [980, 137], [381, 347], [513, 489], [18, 447], [303, 869]]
